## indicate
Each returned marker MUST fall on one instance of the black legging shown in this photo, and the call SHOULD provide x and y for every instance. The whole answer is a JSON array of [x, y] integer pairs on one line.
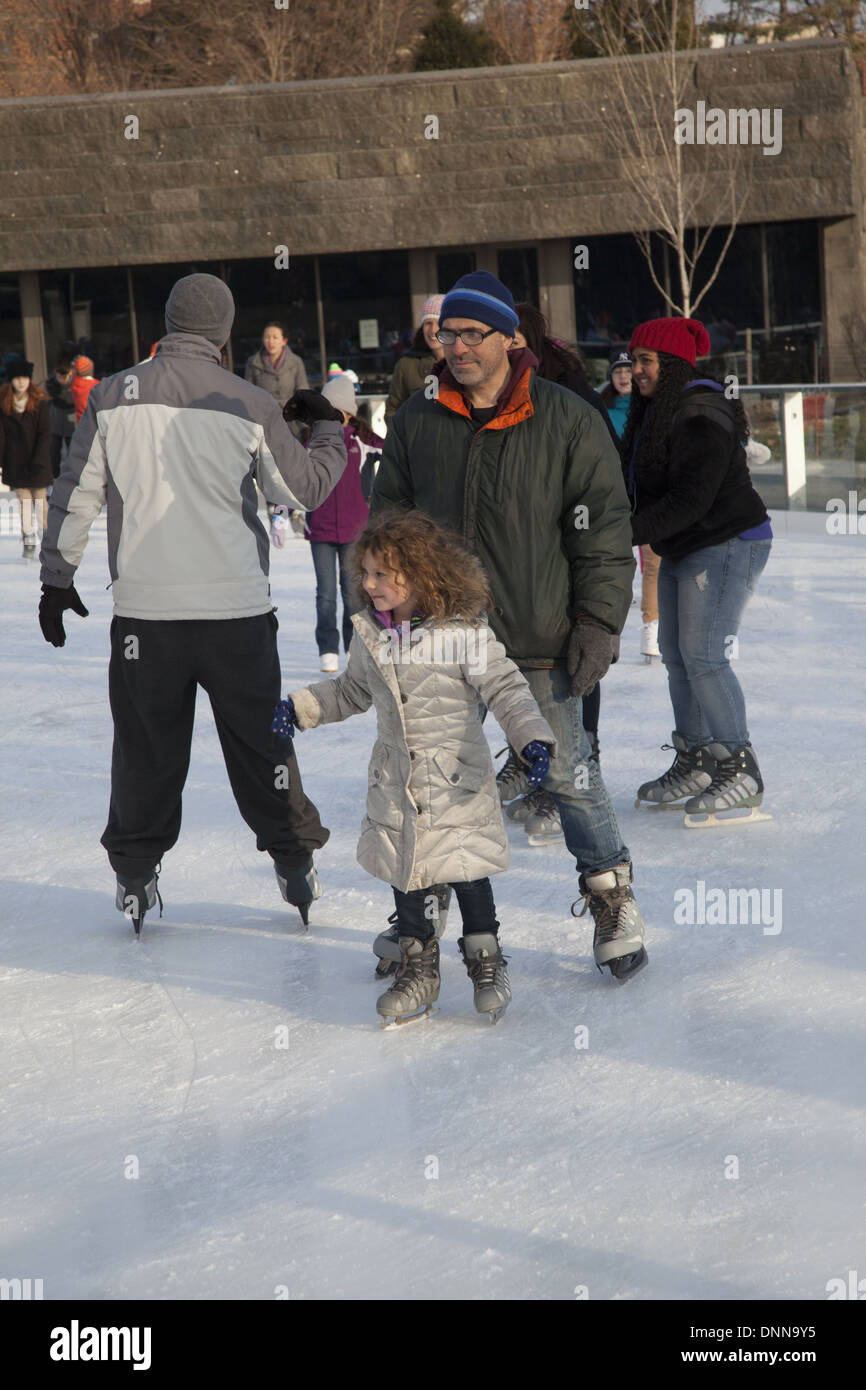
[[477, 909]]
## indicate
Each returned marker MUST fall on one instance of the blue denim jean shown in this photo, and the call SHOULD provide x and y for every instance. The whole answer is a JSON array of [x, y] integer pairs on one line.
[[575, 783], [329, 557], [701, 603]]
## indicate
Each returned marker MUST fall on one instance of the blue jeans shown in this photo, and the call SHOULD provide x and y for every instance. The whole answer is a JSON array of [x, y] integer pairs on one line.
[[329, 557], [701, 602], [575, 783]]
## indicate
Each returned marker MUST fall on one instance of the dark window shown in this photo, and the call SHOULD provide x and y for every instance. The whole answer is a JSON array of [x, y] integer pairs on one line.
[[11, 331], [88, 311], [518, 269], [450, 265]]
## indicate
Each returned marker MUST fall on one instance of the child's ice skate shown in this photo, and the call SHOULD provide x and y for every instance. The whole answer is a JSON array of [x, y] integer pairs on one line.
[[387, 943], [416, 983], [486, 967]]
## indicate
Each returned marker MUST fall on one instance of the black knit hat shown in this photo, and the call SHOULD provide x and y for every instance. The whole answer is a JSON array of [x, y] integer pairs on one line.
[[18, 366], [618, 359]]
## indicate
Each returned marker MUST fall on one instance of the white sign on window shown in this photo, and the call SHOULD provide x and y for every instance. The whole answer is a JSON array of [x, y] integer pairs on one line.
[[368, 333]]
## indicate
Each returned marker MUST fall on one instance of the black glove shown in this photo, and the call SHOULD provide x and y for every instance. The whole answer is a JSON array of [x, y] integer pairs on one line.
[[52, 606], [309, 406], [589, 654]]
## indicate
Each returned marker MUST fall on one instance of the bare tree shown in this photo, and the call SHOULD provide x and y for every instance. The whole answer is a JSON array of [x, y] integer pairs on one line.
[[678, 194], [527, 31]]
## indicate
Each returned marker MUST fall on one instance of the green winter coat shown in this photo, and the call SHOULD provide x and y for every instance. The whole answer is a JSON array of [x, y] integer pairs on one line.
[[410, 374], [537, 492]]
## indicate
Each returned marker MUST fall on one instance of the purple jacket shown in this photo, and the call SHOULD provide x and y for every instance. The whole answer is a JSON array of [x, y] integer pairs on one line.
[[343, 515]]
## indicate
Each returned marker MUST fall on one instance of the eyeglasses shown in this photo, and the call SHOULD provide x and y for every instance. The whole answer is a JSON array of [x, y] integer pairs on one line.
[[470, 337]]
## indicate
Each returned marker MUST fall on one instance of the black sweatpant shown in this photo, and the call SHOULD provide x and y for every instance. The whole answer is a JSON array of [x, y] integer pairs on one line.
[[152, 678], [416, 909]]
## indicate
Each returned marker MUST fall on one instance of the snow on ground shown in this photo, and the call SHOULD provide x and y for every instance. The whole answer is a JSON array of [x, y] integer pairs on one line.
[[707, 1142]]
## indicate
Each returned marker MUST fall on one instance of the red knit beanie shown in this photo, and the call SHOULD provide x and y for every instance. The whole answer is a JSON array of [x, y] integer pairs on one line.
[[686, 338]]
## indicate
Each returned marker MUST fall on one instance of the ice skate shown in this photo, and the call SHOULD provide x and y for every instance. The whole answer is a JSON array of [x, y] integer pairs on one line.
[[299, 887], [543, 826], [135, 896], [29, 548], [416, 983], [736, 787], [387, 943], [511, 779], [619, 929], [486, 968], [690, 772], [649, 642], [520, 809]]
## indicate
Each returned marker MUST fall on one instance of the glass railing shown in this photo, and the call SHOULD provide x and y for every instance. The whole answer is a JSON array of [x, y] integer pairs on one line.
[[817, 441]]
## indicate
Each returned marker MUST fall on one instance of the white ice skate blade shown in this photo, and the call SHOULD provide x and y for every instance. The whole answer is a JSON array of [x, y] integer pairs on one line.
[[393, 1021], [660, 805], [703, 820], [537, 840], [495, 1014]]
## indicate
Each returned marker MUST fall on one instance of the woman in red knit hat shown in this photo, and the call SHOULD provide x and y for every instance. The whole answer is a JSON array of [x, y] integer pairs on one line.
[[693, 502]]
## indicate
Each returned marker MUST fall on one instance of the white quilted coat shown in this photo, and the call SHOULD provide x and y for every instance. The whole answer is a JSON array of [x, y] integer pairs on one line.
[[433, 813]]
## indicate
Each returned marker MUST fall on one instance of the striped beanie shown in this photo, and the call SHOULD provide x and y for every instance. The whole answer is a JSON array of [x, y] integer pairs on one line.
[[481, 296], [432, 307]]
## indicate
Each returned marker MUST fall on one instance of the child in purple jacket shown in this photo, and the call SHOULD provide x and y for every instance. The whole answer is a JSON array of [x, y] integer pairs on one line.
[[339, 521]]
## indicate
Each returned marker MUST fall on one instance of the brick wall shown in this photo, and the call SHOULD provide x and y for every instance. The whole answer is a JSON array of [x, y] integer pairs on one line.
[[522, 153]]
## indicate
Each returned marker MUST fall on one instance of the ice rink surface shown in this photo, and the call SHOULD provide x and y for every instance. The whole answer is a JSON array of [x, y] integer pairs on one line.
[[215, 1112]]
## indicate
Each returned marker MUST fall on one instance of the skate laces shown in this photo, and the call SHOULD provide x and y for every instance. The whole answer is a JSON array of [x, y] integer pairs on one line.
[[511, 766], [606, 904], [483, 970], [411, 970], [542, 803], [726, 770], [680, 766]]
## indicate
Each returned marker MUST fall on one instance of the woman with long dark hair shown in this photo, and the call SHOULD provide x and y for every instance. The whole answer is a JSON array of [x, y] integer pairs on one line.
[[684, 457], [25, 448]]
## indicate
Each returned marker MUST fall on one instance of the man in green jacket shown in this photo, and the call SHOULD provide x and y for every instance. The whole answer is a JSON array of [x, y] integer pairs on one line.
[[526, 471]]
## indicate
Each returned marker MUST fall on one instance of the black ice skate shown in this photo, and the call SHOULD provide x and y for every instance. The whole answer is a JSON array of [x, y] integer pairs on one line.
[[511, 779], [619, 928], [387, 943], [299, 887], [416, 983], [690, 773], [486, 968], [736, 787], [135, 896]]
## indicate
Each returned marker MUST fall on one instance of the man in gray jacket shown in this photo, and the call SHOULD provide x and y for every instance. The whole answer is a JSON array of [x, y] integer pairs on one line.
[[174, 448]]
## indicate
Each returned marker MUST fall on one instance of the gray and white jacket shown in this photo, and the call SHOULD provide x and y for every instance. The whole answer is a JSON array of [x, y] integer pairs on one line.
[[174, 447]]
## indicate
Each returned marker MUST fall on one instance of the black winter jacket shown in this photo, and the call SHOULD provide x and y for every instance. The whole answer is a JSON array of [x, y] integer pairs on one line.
[[703, 495], [25, 448]]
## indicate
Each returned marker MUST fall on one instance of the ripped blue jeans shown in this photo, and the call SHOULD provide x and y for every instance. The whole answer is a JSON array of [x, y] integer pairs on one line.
[[701, 603]]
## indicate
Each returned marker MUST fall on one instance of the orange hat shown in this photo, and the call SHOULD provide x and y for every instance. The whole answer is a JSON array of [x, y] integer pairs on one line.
[[83, 366]]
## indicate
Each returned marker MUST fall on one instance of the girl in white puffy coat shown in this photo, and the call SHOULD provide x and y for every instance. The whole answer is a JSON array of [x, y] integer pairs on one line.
[[424, 657]]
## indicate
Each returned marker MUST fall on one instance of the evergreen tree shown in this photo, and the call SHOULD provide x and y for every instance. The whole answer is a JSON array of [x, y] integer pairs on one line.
[[449, 42]]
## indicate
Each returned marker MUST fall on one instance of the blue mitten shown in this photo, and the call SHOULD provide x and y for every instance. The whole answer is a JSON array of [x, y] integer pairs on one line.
[[284, 719], [538, 756]]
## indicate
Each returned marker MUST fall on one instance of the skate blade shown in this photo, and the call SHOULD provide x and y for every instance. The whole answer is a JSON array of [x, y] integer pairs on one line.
[[659, 805], [702, 820], [495, 1014], [619, 971], [392, 1021], [546, 839], [650, 660]]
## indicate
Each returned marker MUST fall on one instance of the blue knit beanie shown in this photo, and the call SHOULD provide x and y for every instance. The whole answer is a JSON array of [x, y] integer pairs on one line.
[[481, 296]]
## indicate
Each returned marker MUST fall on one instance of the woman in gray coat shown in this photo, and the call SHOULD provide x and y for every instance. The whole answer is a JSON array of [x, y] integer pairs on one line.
[[424, 656], [275, 368]]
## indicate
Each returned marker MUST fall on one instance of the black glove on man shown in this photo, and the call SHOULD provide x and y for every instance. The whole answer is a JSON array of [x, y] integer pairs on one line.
[[52, 606], [589, 654], [309, 406]]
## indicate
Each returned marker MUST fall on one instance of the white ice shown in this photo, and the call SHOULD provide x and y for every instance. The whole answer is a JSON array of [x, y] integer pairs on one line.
[[707, 1142]]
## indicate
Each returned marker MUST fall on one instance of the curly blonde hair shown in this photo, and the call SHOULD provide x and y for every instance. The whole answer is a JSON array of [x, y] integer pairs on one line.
[[446, 579]]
